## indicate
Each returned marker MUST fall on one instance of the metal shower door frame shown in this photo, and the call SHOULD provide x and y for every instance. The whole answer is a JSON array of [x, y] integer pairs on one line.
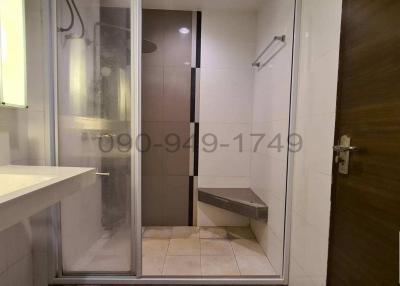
[[55, 260]]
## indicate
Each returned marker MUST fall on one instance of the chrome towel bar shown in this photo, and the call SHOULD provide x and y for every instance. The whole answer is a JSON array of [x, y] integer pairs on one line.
[[257, 62]]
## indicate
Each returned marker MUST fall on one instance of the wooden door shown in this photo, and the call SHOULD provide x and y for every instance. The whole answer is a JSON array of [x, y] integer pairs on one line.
[[365, 220]]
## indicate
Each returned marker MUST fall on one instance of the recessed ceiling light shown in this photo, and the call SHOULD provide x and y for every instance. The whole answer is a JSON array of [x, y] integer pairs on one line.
[[184, 30]]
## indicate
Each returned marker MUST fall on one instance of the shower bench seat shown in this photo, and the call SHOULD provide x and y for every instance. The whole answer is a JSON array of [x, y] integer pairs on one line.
[[242, 201]]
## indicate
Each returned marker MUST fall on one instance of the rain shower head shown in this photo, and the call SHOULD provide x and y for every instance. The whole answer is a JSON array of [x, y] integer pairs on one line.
[[148, 47]]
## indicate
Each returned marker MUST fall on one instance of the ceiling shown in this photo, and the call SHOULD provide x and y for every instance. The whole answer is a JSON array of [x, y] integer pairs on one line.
[[116, 3], [191, 5], [198, 5]]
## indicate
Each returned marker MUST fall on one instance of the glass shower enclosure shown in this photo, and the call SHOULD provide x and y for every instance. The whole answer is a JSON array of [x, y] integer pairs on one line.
[[96, 234]]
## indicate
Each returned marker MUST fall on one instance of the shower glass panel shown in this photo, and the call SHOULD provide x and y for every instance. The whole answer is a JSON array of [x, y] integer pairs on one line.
[[93, 114], [166, 121], [216, 104]]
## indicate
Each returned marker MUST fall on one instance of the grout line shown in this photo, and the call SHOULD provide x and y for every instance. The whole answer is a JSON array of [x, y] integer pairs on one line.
[[234, 254], [201, 260], [165, 257], [163, 265], [201, 256], [272, 267]]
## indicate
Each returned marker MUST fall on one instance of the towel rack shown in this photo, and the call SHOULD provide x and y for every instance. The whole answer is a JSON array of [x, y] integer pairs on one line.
[[257, 62]]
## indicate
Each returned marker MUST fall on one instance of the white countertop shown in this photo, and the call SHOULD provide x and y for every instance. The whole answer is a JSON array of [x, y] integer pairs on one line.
[[26, 190]]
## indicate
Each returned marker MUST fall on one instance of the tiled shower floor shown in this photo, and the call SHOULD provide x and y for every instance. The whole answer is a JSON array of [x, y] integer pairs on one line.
[[110, 253], [204, 251]]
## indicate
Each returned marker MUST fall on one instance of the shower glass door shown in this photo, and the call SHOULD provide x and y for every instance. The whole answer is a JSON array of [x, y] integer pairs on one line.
[[94, 130]]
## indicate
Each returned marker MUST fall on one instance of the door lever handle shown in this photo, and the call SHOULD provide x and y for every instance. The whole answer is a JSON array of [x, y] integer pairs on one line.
[[343, 150], [340, 148]]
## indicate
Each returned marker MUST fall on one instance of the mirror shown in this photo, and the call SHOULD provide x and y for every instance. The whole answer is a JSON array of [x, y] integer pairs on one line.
[[13, 54]]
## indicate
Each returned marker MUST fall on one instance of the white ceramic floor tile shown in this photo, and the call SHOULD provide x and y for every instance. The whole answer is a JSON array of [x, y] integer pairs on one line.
[[185, 232], [111, 252], [247, 247], [221, 251], [182, 266], [184, 246], [155, 247], [106, 263], [213, 232], [216, 247], [153, 265], [254, 265], [237, 232], [157, 232], [219, 266]]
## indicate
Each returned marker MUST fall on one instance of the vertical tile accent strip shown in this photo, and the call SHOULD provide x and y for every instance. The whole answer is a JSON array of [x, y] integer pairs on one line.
[[197, 96], [190, 209], [195, 199], [193, 96], [194, 39], [194, 113], [191, 149], [196, 149], [198, 39]]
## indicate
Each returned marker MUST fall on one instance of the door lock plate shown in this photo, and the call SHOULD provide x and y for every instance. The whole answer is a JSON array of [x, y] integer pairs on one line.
[[343, 154]]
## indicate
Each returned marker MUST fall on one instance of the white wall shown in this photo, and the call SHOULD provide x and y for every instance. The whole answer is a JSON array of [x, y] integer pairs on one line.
[[316, 106], [234, 99], [28, 144], [227, 108], [226, 88], [271, 117]]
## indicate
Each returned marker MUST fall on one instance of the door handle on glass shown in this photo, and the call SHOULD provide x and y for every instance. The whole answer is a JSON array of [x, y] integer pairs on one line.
[[103, 174]]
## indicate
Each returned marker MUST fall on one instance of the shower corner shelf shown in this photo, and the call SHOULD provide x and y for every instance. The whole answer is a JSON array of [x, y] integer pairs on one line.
[[242, 201]]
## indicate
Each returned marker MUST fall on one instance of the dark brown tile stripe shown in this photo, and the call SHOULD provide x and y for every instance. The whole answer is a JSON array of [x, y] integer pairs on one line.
[[195, 73], [190, 209], [193, 95], [198, 40]]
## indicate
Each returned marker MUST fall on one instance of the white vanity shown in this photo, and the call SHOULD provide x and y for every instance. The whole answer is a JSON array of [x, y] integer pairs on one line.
[[26, 190]]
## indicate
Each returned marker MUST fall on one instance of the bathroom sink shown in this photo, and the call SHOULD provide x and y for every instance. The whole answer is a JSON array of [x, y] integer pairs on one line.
[[14, 182], [27, 190]]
